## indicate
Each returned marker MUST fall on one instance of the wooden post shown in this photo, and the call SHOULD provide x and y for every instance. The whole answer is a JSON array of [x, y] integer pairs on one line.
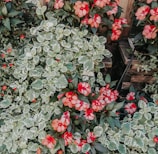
[[127, 6]]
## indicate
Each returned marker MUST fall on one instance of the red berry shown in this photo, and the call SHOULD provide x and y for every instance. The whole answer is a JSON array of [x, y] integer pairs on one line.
[[22, 36], [34, 100], [3, 55], [9, 50], [155, 139], [4, 88], [11, 64], [4, 66], [60, 152], [14, 89]]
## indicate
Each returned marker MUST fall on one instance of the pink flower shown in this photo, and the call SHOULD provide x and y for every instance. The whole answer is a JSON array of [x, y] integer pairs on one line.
[[80, 143], [65, 118], [70, 100], [49, 141], [115, 34], [81, 106], [95, 21], [89, 114], [154, 14], [58, 125], [130, 108], [150, 31], [81, 8], [91, 137], [114, 9], [142, 12], [97, 105], [84, 21], [68, 138], [60, 95], [7, 1], [149, 1], [130, 96], [101, 3], [58, 4], [84, 88]]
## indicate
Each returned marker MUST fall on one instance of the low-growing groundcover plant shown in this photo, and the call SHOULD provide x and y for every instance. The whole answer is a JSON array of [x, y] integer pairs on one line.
[[57, 57]]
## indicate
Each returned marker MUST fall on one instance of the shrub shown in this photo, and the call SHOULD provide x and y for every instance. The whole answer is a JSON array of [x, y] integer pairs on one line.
[[137, 134], [32, 76]]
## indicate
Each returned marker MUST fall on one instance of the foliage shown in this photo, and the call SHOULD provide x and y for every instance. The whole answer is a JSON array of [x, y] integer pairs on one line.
[[147, 22], [31, 75], [136, 134]]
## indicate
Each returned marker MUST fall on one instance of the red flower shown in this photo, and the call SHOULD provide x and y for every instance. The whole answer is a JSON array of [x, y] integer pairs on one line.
[[49, 141], [58, 125], [97, 105], [4, 88], [154, 14], [89, 114], [101, 3], [68, 138], [91, 137], [66, 118], [80, 143], [58, 4], [95, 21], [70, 100], [81, 8], [115, 34], [84, 88], [155, 139], [130, 108], [142, 12], [81, 105], [150, 31], [130, 96]]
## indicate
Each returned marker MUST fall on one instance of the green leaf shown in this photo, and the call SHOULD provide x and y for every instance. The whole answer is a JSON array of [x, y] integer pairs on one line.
[[98, 130], [140, 142], [88, 65], [6, 23], [108, 78], [110, 106], [111, 122], [126, 127], [37, 84], [73, 148], [4, 10], [152, 151], [112, 146], [118, 106], [94, 30], [86, 147], [122, 148], [82, 59], [13, 13], [15, 21], [62, 144], [5, 103], [99, 147]]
